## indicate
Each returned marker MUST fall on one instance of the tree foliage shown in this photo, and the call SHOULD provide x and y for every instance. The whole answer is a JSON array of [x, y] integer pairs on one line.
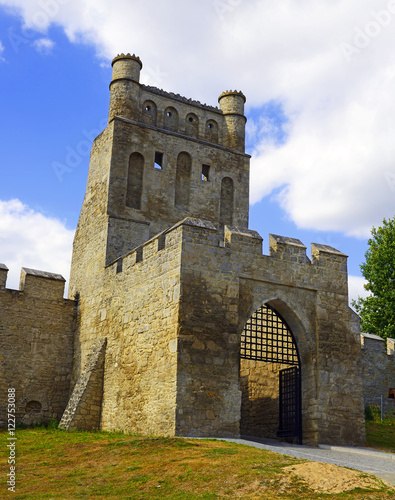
[[377, 311]]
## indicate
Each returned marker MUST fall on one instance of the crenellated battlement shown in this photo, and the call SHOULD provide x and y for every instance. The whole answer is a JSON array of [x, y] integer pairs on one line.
[[326, 256], [285, 248], [169, 111], [36, 283], [126, 56], [180, 98], [238, 93], [243, 247]]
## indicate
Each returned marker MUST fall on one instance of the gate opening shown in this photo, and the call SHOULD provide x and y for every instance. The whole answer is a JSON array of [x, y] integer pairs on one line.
[[270, 376]]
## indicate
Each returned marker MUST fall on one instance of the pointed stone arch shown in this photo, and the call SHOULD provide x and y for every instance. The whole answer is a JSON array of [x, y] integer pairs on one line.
[[270, 377]]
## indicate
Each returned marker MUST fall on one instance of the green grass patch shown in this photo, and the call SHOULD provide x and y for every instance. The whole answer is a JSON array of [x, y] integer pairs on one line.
[[59, 465], [381, 435]]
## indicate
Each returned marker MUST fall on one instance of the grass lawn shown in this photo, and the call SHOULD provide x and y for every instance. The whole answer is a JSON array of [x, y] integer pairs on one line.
[[381, 435], [59, 465]]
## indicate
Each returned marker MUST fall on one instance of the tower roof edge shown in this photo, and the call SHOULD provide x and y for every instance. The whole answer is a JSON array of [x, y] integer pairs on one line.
[[127, 56]]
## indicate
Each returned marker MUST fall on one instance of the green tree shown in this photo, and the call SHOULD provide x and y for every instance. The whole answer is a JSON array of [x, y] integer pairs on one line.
[[377, 311]]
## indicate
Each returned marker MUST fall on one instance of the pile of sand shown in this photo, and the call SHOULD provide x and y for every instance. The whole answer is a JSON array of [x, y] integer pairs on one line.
[[328, 478]]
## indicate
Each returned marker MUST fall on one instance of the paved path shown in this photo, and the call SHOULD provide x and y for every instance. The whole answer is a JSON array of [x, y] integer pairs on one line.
[[378, 463]]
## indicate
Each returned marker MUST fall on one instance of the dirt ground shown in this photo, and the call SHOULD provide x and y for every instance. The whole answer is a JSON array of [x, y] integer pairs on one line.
[[328, 478]]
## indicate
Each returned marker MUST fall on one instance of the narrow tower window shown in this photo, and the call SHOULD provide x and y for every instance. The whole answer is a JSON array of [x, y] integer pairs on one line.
[[139, 254], [158, 162], [183, 180], [162, 242], [135, 181], [205, 173]]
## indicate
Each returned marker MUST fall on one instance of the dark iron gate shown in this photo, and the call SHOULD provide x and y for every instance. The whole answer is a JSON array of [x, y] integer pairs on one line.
[[267, 337], [290, 404]]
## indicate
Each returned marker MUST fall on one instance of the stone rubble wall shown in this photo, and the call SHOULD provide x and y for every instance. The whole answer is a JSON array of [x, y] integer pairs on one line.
[[36, 346], [378, 371]]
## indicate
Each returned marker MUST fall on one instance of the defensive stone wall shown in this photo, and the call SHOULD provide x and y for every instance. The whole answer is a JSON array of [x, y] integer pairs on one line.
[[36, 346], [221, 287], [378, 371], [137, 310]]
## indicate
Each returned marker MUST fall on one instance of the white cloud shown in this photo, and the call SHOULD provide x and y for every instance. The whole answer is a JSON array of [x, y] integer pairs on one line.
[[356, 288], [31, 239], [44, 45], [1, 52], [329, 64]]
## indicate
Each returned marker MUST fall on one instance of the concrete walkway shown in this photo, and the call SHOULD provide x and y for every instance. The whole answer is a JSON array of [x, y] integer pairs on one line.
[[379, 464]]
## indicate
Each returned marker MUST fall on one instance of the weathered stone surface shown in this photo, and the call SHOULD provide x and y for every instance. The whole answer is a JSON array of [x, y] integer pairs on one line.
[[84, 407], [36, 347]]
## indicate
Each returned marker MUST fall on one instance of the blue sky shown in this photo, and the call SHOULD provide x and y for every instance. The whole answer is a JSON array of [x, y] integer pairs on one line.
[[319, 82]]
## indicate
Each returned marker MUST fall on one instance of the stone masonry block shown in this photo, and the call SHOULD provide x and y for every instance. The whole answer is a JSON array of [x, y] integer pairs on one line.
[[243, 240], [41, 283], [285, 248], [326, 256], [3, 275]]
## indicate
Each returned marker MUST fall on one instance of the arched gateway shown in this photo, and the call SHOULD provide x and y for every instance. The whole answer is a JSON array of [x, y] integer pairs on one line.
[[270, 374]]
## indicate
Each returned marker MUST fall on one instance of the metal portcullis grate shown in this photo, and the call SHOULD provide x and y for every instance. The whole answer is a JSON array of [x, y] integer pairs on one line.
[[266, 337], [290, 404]]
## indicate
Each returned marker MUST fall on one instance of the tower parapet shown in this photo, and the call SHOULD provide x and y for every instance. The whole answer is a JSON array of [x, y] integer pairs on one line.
[[231, 103], [124, 86]]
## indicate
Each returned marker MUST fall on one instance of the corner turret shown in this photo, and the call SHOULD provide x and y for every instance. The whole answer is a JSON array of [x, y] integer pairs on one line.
[[231, 103], [124, 86]]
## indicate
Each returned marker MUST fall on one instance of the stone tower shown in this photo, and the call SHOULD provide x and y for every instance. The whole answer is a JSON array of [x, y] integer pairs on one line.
[[162, 158], [183, 326]]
